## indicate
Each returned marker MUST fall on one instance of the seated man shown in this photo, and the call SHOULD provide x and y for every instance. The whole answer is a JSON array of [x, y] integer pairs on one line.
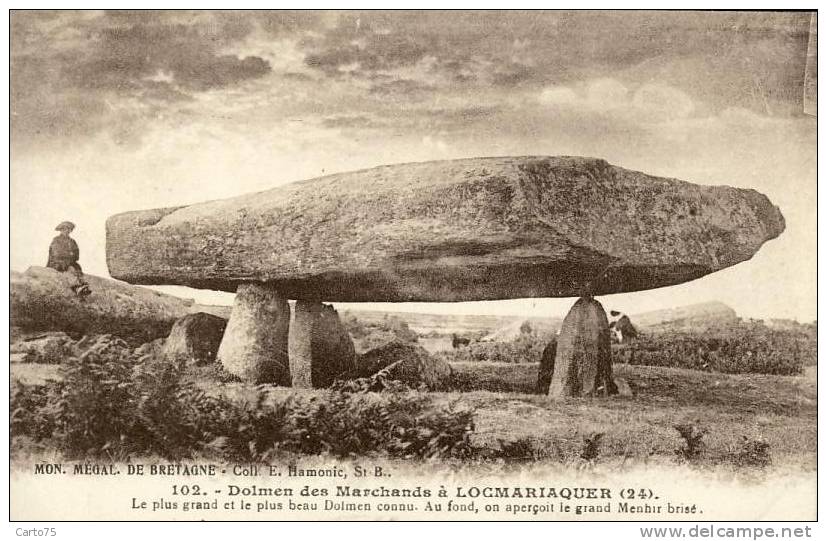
[[621, 327], [64, 255]]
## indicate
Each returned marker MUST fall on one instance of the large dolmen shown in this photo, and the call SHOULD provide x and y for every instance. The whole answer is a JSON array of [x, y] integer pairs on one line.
[[460, 230]]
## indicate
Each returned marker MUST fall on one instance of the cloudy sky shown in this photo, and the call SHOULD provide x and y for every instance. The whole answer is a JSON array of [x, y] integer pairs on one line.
[[116, 111]]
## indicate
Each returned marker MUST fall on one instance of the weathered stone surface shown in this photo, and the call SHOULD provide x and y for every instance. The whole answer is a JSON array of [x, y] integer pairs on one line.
[[41, 300], [408, 363], [471, 229], [546, 367], [319, 347], [300, 343], [583, 363], [254, 346], [194, 339]]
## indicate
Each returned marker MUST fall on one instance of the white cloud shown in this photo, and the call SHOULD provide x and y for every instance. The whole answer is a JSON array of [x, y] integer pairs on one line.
[[349, 68], [662, 102], [435, 143], [649, 103], [739, 115], [606, 94], [559, 95], [161, 76]]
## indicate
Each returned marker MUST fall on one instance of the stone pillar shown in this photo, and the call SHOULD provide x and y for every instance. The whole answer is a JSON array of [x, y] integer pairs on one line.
[[583, 363], [320, 349], [546, 367], [300, 342], [254, 346]]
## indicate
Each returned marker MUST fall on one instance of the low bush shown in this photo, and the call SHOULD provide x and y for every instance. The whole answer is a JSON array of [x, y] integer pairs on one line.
[[746, 347], [392, 325], [369, 335], [526, 348], [521, 449], [591, 447], [381, 381], [32, 411], [751, 452], [112, 403], [739, 349], [693, 444]]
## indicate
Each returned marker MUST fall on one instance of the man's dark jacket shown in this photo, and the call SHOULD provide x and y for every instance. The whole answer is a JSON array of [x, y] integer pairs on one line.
[[63, 253]]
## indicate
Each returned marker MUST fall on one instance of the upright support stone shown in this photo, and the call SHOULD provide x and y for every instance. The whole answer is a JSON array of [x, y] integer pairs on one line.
[[320, 349], [583, 363], [254, 346], [300, 342], [546, 367]]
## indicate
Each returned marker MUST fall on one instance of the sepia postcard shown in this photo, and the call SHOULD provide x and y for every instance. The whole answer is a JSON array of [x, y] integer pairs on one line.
[[414, 265]]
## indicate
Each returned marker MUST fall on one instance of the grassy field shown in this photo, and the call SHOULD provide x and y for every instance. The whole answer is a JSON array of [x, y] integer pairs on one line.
[[777, 410], [741, 415]]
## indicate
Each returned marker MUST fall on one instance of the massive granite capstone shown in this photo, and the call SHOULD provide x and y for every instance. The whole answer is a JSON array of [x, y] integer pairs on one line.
[[461, 230]]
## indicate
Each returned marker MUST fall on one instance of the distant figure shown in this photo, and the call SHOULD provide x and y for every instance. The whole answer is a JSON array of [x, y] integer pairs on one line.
[[621, 327], [64, 255], [456, 341]]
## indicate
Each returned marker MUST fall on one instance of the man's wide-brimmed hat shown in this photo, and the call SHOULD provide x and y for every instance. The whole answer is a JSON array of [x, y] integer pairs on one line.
[[65, 225]]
